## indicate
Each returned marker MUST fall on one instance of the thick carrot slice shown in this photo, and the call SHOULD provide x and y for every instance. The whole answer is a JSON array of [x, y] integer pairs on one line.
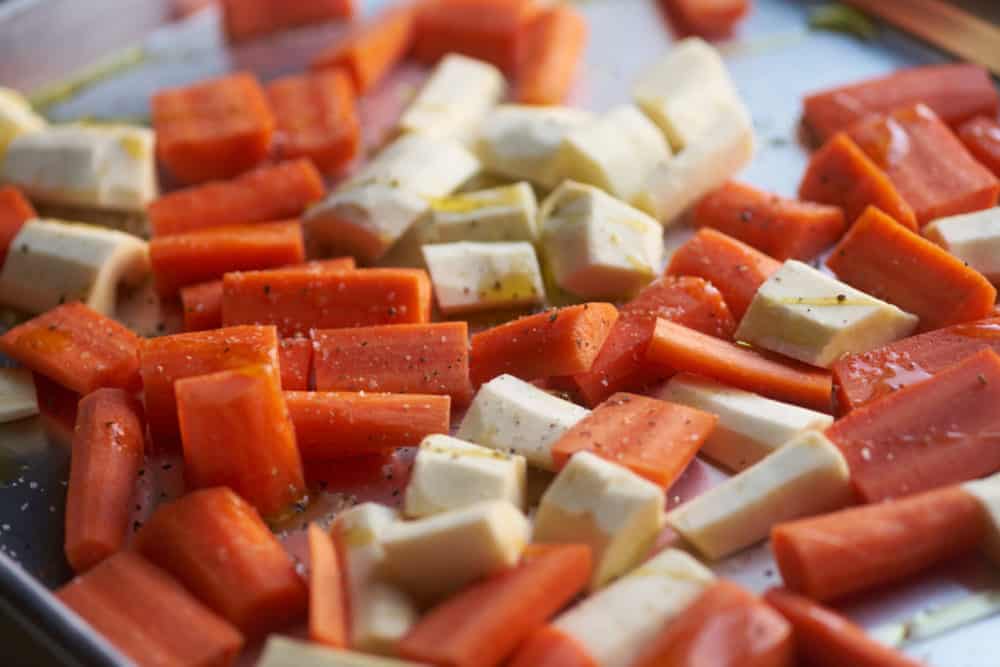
[[170, 358], [621, 364], [484, 624], [219, 548], [296, 360], [107, 452], [841, 174], [552, 51], [327, 596], [935, 433], [215, 129], [707, 18], [350, 472], [655, 439], [398, 359], [736, 269], [490, 30], [149, 617], [236, 432], [57, 406], [274, 192], [15, 210], [246, 19], [860, 548], [727, 626], [339, 425], [981, 137], [929, 166], [551, 647], [300, 300], [688, 351], [824, 638], [206, 254], [77, 347]]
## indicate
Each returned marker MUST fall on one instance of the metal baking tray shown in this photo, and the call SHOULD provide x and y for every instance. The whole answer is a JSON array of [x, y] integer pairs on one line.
[[774, 58]]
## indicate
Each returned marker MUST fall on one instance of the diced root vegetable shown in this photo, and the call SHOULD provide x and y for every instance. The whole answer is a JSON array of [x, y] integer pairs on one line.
[[328, 610], [15, 210], [247, 19], [553, 48], [295, 356], [981, 137]]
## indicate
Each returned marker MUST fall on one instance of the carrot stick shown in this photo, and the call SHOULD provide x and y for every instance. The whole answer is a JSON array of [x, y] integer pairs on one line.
[[246, 19], [327, 596], [981, 137], [652, 438], [483, 625], [57, 406], [219, 548], [707, 18], [296, 358], [298, 301], [736, 269], [557, 342], [620, 365], [551, 647], [688, 351], [553, 49], [841, 174], [888, 261], [149, 617], [107, 452], [350, 472], [935, 433], [274, 192], [335, 425], [824, 638], [77, 347], [15, 210]]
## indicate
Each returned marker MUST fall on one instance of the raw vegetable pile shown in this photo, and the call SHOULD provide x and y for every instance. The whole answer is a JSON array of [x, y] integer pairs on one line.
[[857, 407]]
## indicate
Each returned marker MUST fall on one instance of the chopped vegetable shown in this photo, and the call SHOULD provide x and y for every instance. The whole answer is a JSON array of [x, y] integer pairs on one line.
[[709, 18], [17, 395], [505, 213], [981, 137], [328, 611], [974, 238], [295, 357], [471, 277], [551, 647], [15, 210], [552, 50], [246, 19], [57, 407]]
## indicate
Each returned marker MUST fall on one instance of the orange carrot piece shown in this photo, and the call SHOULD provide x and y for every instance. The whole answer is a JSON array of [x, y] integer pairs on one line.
[[707, 18], [841, 174], [300, 300], [350, 472], [929, 166], [557, 342], [339, 425], [861, 548], [483, 625], [107, 451], [206, 254], [217, 545], [57, 407], [621, 363], [274, 192], [327, 596], [551, 647], [246, 19], [955, 92], [212, 130], [654, 439], [170, 358], [981, 137], [688, 351], [296, 360], [15, 210], [553, 50], [399, 359], [935, 433], [732, 266], [149, 617], [77, 347], [727, 626], [824, 638]]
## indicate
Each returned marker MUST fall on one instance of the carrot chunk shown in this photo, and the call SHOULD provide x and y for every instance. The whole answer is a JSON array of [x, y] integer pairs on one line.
[[688, 351], [841, 174], [149, 617], [215, 129], [206, 254], [551, 647], [222, 551], [77, 347], [246, 19], [621, 363], [296, 360], [935, 433], [981, 137], [557, 342], [275, 192], [707, 18], [107, 452], [339, 425], [350, 472], [327, 595], [652, 438], [736, 269], [57, 407], [15, 210], [300, 300], [553, 49]]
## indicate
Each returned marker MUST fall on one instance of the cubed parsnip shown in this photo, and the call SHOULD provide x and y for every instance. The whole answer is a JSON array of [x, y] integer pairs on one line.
[[523, 142], [987, 491], [16, 117], [507, 213], [514, 416], [616, 152], [287, 652], [107, 167], [598, 247], [972, 237], [380, 613], [51, 262], [750, 426], [455, 99], [17, 395], [449, 474], [484, 276], [617, 623], [603, 505], [437, 556], [810, 316], [806, 476]]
